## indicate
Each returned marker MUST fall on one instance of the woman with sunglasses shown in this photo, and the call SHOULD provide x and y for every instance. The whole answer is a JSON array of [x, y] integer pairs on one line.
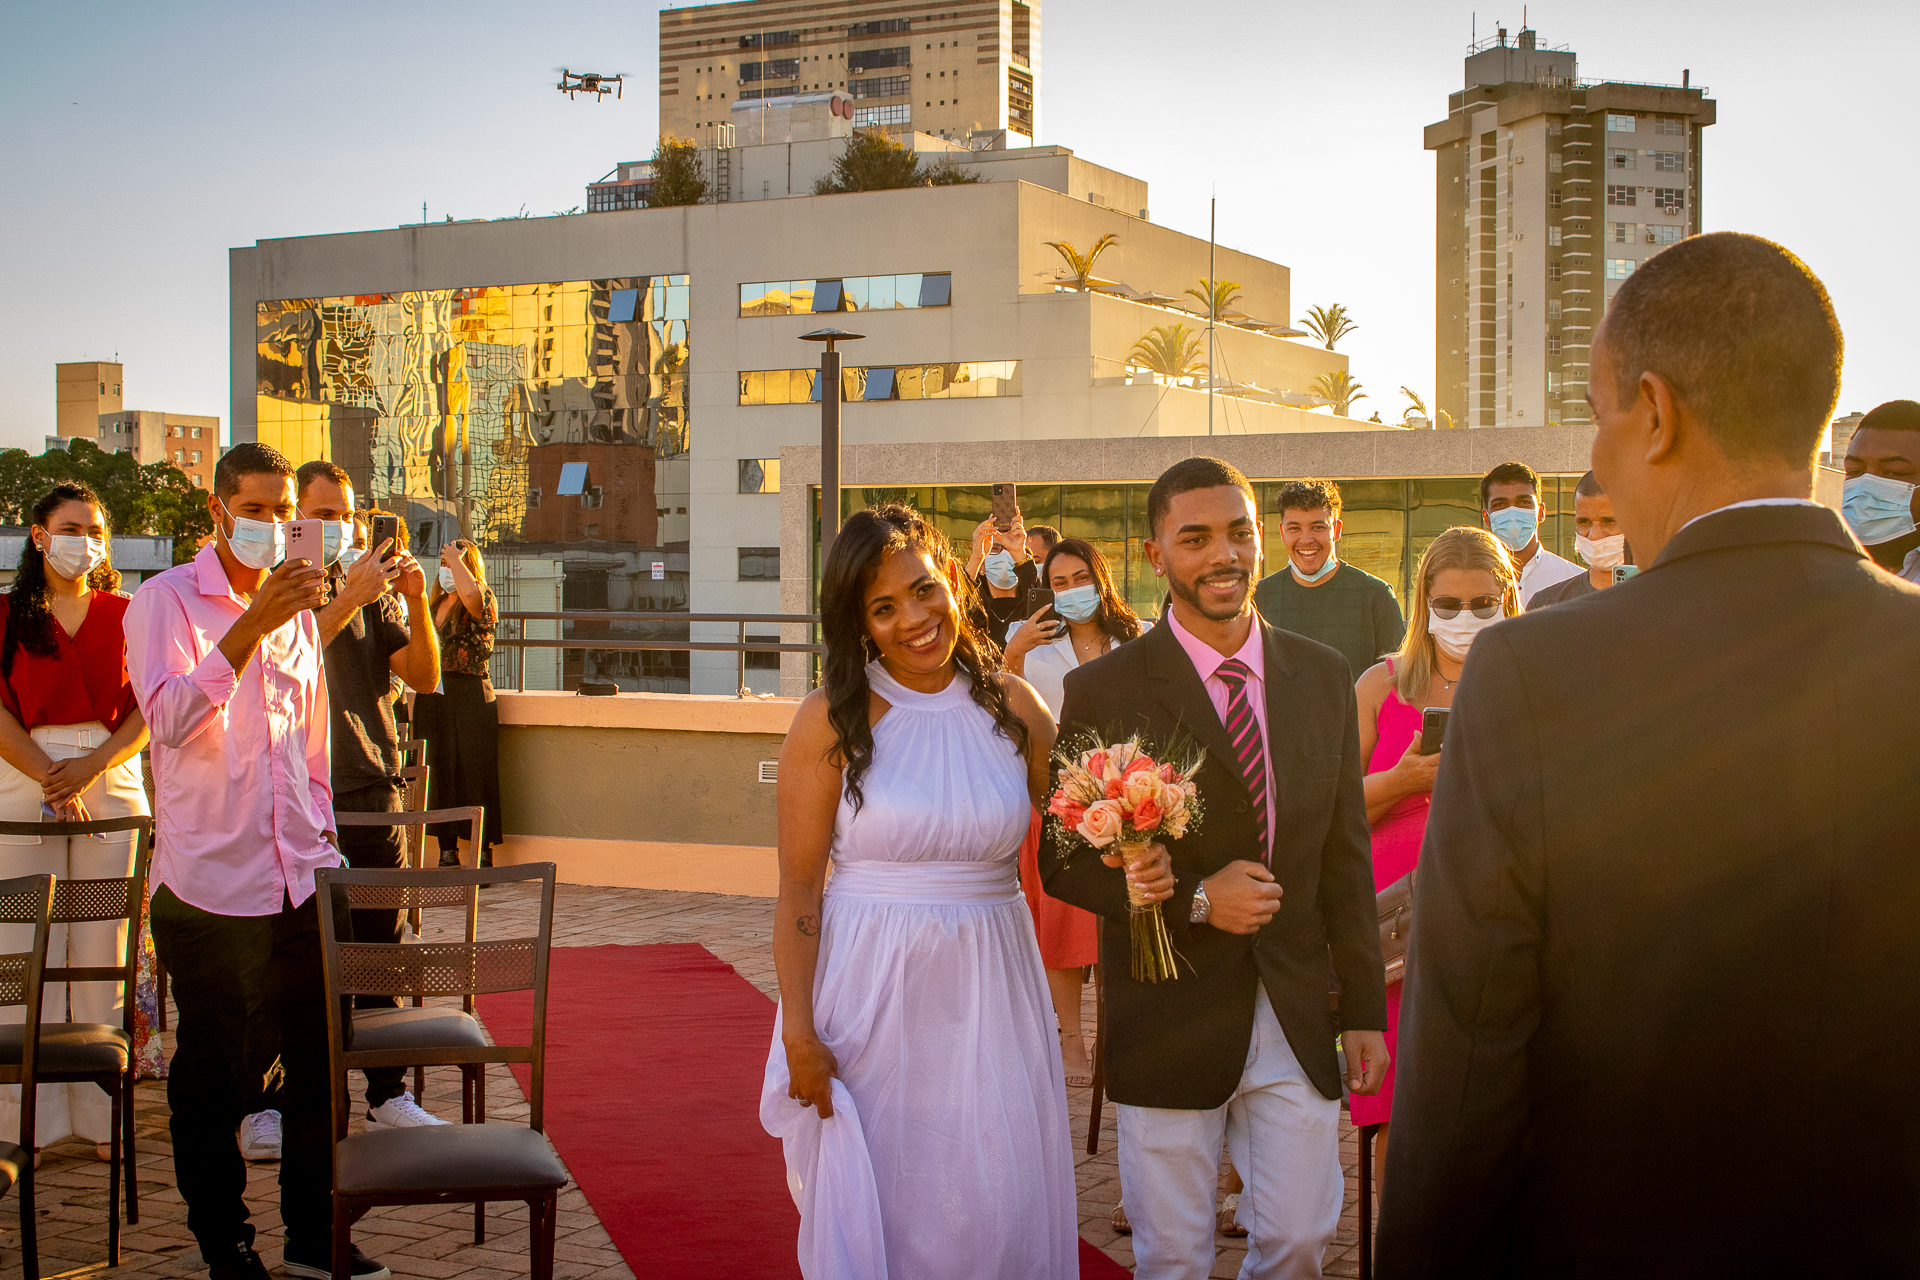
[[1466, 583]]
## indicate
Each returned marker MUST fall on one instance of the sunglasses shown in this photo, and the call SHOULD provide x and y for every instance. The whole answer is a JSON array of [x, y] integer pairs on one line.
[[1450, 606]]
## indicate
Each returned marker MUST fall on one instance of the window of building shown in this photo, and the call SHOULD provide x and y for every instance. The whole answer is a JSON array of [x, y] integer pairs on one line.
[[776, 69], [179, 455], [759, 564], [1553, 308], [590, 498], [872, 117], [881, 87], [1624, 232], [1671, 125], [854, 293], [1620, 268], [1665, 235], [622, 305], [1670, 161], [1619, 123], [1620, 157], [1553, 198], [590, 531], [1553, 162], [1670, 199], [874, 59], [1628, 196], [533, 499], [965, 380], [194, 457], [1553, 271], [196, 433], [1553, 344], [1553, 235], [885, 26], [759, 475]]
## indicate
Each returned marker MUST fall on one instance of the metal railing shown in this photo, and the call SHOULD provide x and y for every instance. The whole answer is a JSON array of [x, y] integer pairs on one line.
[[512, 633]]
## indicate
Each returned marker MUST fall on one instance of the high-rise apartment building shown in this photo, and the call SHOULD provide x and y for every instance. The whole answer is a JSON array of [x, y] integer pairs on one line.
[[84, 390], [1551, 190], [89, 407], [948, 72]]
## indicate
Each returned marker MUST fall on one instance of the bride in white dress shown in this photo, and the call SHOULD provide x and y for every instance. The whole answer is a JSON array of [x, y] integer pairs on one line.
[[914, 1078]]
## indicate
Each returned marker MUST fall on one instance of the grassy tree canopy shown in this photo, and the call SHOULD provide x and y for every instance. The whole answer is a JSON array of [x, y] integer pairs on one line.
[[875, 162], [153, 499], [677, 179]]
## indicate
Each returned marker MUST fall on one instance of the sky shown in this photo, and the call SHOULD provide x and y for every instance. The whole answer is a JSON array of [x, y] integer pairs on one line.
[[140, 141]]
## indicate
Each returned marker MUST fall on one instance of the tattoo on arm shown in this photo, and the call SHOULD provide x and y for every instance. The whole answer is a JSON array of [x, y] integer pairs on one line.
[[807, 925]]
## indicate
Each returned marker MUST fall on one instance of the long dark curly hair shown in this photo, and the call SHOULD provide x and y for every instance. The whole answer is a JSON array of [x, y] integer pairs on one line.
[[1116, 616], [30, 602], [863, 542]]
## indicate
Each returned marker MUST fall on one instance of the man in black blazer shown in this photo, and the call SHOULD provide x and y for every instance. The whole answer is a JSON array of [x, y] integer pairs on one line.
[[1271, 900], [1663, 1007]]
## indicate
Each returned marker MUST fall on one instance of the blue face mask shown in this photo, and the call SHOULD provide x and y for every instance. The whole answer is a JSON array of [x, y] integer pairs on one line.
[[999, 569], [1325, 569], [1077, 604], [1514, 526], [1877, 509]]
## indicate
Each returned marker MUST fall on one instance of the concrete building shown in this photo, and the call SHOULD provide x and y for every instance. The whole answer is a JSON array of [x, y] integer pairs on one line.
[[137, 556], [1550, 191], [83, 391], [690, 379], [953, 73]]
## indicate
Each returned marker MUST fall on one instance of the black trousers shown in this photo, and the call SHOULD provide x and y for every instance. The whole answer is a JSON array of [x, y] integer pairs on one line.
[[241, 983], [375, 848]]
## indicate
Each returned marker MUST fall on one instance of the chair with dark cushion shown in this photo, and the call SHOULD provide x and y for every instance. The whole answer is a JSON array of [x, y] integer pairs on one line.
[[474, 1163], [27, 900], [96, 1052]]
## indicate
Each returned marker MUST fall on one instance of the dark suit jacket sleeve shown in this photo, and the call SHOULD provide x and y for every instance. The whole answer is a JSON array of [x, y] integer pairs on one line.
[[1347, 901], [1473, 998], [1076, 875]]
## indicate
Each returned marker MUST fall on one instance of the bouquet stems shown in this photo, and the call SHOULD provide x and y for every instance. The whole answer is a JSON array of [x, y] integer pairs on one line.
[[1153, 954]]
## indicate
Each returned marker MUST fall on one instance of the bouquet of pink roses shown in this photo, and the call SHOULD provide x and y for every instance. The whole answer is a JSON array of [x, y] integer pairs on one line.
[[1119, 799]]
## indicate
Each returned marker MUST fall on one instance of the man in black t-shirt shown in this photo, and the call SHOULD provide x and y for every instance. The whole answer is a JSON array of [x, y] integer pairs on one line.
[[1598, 542], [367, 643]]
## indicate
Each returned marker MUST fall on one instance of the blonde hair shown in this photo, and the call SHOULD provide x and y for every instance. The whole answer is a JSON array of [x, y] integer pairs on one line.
[[1463, 547], [470, 556]]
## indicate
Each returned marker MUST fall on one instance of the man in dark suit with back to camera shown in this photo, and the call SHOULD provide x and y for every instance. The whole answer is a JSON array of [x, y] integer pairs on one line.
[[1269, 892], [1663, 1006]]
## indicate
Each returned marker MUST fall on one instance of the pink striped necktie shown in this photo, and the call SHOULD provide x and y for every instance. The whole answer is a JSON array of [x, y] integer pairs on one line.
[[1243, 727]]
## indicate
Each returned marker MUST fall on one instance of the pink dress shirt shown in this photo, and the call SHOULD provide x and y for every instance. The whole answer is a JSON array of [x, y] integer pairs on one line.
[[1206, 660], [239, 759]]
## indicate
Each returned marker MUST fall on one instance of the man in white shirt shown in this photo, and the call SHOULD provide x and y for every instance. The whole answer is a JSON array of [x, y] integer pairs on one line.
[[1510, 504]]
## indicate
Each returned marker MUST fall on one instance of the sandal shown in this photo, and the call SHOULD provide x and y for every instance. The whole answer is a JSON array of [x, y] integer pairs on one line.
[[1228, 1223], [1079, 1079], [1119, 1223]]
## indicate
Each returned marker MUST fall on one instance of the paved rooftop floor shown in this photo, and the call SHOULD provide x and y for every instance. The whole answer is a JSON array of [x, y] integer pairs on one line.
[[437, 1243]]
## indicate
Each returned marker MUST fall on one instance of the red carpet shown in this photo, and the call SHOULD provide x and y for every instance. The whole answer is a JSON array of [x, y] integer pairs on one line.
[[654, 1061]]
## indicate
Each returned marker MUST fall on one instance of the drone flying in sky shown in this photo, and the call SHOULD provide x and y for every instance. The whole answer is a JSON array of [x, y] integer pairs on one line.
[[572, 82]]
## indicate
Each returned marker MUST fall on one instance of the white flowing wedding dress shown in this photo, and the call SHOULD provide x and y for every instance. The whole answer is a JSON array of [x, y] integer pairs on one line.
[[948, 1154]]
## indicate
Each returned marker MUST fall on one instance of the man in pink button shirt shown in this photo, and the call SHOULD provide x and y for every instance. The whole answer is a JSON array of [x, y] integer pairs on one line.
[[226, 663]]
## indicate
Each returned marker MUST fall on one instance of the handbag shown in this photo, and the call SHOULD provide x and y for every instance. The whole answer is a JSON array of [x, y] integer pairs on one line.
[[1395, 906]]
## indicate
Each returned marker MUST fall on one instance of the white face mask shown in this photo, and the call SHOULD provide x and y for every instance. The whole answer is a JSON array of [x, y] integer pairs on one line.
[[74, 557], [1602, 553], [257, 544], [1455, 635], [446, 578]]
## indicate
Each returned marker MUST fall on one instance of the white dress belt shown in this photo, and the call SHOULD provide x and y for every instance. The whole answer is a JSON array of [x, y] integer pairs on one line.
[[933, 883]]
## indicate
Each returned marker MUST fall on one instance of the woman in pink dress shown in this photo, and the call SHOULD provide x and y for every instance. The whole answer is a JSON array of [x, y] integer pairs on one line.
[[1466, 583]]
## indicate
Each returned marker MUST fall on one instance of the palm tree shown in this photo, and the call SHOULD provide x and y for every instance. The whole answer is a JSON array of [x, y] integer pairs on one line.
[[1170, 350], [1215, 295], [1081, 265], [1339, 389], [1417, 409], [1329, 324]]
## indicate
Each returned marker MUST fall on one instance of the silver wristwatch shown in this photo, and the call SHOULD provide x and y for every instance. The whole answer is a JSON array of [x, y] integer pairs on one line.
[[1202, 908]]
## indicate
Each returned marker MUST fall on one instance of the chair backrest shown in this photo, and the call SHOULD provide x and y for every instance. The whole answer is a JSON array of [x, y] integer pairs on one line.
[[465, 969], [413, 752], [413, 798], [471, 814], [26, 900], [81, 901]]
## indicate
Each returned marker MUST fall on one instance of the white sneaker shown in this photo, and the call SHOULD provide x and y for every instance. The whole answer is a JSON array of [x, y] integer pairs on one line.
[[260, 1137], [400, 1113]]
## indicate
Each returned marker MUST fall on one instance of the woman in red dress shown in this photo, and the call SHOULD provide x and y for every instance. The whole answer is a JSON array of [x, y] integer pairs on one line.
[[70, 739], [1466, 583]]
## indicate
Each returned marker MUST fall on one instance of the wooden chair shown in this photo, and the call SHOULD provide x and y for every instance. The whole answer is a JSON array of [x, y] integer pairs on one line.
[[96, 1052], [29, 900], [394, 1029], [413, 752], [439, 1164]]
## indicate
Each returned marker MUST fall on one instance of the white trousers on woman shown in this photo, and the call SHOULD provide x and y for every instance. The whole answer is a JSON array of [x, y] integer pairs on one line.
[[1284, 1138], [70, 1110]]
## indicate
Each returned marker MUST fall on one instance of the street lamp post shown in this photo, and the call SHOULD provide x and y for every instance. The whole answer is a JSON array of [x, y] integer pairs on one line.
[[829, 433]]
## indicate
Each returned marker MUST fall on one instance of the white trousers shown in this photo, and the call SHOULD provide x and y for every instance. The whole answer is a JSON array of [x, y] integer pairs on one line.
[[69, 1110], [1284, 1138]]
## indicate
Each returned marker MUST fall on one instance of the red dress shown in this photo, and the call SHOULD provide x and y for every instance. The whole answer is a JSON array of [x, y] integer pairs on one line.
[[1396, 847], [1069, 937]]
